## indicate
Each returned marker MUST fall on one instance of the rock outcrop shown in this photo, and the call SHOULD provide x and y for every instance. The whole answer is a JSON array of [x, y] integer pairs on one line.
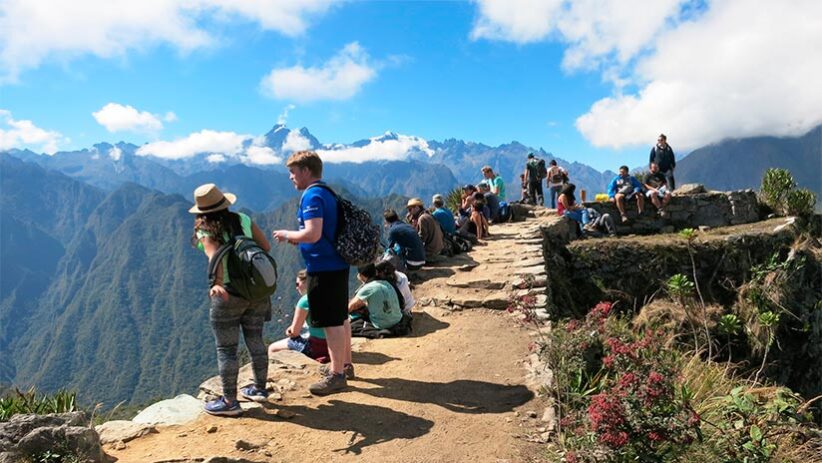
[[33, 437]]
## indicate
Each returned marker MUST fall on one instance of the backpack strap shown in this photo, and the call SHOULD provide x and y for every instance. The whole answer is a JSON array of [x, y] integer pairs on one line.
[[216, 259], [339, 208]]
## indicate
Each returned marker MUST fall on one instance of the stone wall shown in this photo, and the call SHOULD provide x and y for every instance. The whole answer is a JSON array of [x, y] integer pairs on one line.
[[690, 207]]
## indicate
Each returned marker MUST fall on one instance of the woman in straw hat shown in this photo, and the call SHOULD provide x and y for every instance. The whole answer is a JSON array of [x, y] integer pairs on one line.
[[213, 226]]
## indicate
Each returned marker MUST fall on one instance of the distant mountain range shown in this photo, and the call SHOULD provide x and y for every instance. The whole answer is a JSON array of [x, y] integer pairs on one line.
[[373, 167], [741, 163]]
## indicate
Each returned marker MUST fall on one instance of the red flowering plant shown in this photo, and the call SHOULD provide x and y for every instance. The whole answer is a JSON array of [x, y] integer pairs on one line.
[[642, 413]]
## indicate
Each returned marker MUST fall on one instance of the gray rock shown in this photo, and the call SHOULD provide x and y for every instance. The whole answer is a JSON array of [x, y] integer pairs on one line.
[[245, 445], [121, 430], [689, 189], [20, 425], [81, 441], [179, 410], [496, 301]]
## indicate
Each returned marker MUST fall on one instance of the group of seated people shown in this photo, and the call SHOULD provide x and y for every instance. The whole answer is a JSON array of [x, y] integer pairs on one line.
[[623, 187], [381, 306]]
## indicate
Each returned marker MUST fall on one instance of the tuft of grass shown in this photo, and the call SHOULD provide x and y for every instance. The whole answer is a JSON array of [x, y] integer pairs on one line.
[[30, 402]]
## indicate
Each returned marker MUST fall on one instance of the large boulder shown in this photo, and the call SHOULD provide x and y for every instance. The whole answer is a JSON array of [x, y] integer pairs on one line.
[[179, 410], [123, 431], [28, 437]]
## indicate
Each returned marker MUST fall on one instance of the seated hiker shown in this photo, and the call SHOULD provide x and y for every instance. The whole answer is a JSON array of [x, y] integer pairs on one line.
[[443, 215], [491, 200], [427, 228], [568, 207], [313, 343], [476, 224], [657, 185], [599, 223], [495, 182], [405, 238], [387, 272], [466, 201], [624, 187], [376, 306]]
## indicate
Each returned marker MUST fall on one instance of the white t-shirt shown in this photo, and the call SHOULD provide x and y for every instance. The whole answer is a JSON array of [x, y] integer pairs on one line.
[[405, 290]]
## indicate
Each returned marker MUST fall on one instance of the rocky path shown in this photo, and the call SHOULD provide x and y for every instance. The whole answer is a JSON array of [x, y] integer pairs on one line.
[[453, 391]]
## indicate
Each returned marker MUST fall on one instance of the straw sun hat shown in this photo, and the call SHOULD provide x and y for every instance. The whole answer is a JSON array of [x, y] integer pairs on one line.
[[209, 198]]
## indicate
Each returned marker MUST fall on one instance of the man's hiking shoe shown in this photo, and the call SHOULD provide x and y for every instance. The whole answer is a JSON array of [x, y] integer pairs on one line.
[[624, 218], [221, 407], [348, 369], [329, 384], [663, 213], [254, 393]]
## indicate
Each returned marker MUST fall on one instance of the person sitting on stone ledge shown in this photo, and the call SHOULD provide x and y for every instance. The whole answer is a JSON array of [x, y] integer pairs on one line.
[[624, 187], [427, 228], [476, 225], [599, 223], [568, 207], [657, 189], [313, 343], [405, 240]]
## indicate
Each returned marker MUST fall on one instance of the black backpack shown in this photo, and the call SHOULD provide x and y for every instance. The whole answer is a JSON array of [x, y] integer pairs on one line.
[[252, 271], [357, 238], [542, 171]]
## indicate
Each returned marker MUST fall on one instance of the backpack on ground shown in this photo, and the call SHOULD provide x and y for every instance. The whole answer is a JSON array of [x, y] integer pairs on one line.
[[252, 272], [504, 212], [542, 171], [357, 238]]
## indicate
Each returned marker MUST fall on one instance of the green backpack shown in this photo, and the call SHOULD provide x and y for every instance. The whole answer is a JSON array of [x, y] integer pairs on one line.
[[252, 271]]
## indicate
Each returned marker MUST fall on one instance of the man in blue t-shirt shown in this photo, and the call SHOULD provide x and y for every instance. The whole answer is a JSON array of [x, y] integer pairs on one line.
[[406, 238], [327, 271], [443, 215]]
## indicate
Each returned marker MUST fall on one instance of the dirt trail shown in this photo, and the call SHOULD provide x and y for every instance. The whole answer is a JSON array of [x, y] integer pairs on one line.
[[452, 392]]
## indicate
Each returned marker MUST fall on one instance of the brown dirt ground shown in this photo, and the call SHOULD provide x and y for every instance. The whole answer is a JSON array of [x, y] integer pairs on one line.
[[452, 392]]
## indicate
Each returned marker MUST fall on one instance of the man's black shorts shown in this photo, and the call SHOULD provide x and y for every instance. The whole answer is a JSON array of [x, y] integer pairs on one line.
[[328, 298]]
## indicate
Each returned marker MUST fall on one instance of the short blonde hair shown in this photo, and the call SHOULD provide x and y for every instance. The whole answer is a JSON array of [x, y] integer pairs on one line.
[[306, 159], [486, 169]]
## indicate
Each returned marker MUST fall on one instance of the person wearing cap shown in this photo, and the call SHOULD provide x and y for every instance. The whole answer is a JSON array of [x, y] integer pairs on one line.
[[405, 240], [427, 228], [495, 182], [443, 215], [533, 180], [214, 224], [327, 280]]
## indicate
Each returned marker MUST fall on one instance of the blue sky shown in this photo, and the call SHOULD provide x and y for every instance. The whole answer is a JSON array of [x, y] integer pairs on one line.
[[590, 81]]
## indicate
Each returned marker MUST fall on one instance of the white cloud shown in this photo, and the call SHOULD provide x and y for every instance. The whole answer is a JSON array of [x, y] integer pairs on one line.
[[32, 31], [115, 153], [24, 134], [204, 141], [283, 117], [338, 79], [389, 147], [737, 71], [295, 142], [118, 118], [702, 71], [220, 147], [261, 155]]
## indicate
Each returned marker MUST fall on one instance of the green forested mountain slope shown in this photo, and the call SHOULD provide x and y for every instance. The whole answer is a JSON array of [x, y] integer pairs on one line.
[[118, 311]]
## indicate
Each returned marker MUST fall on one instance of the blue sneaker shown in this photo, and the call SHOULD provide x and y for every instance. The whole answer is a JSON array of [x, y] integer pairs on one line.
[[255, 393], [221, 407]]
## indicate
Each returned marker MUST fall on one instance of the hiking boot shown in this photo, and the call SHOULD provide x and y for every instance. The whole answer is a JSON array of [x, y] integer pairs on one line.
[[624, 218], [222, 407], [329, 384], [254, 393], [663, 213], [348, 370]]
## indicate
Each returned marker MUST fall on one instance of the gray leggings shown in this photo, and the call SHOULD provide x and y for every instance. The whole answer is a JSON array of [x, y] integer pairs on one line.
[[226, 318]]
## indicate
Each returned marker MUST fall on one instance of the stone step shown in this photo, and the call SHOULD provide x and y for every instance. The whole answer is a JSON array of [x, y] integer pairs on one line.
[[531, 262], [536, 271], [476, 284], [522, 283]]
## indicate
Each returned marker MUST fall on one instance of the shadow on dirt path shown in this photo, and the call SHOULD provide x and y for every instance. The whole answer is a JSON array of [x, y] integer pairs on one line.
[[461, 396]]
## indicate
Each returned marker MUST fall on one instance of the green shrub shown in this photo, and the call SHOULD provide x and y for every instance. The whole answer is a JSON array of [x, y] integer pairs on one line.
[[800, 202], [453, 200], [776, 184], [30, 402]]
